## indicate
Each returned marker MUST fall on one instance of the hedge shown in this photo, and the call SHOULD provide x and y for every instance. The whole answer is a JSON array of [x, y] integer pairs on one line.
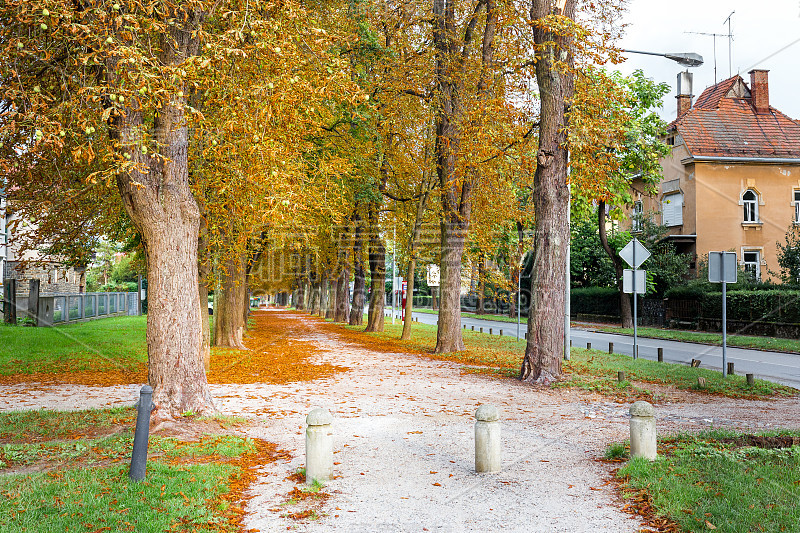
[[766, 305], [602, 301]]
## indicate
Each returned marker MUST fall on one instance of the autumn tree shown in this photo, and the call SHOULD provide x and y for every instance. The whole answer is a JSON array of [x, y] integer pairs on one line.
[[121, 86], [617, 143]]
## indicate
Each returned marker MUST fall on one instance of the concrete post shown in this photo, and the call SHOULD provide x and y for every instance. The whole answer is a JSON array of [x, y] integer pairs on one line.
[[610, 347], [487, 439], [10, 301], [643, 430], [661, 355], [33, 301], [319, 446]]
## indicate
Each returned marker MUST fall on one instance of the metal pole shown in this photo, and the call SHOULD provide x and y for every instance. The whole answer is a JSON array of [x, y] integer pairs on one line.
[[567, 332], [519, 277], [635, 301], [724, 317], [139, 295], [142, 435], [394, 267]]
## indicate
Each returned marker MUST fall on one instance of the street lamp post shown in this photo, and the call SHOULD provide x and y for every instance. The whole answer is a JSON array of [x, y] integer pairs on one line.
[[687, 59]]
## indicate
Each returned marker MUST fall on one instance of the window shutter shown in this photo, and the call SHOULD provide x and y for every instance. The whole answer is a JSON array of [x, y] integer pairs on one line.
[[672, 210]]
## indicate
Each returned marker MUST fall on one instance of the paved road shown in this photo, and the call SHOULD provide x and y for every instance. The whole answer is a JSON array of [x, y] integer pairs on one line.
[[774, 366]]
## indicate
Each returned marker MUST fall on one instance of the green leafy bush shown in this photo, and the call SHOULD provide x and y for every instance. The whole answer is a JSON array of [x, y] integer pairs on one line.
[[602, 301], [765, 305]]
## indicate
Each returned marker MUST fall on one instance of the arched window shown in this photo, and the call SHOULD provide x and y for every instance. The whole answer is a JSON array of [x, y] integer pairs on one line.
[[750, 203]]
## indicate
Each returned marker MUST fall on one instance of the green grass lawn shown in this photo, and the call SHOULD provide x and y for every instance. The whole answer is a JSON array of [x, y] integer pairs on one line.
[[591, 370], [75, 476], [711, 481], [714, 339], [496, 318], [116, 343]]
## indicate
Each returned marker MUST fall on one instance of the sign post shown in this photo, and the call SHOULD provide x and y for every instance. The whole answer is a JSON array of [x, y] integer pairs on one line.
[[634, 253], [722, 269]]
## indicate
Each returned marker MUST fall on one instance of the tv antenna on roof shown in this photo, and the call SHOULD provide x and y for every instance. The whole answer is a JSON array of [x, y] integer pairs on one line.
[[730, 43], [714, 35], [729, 35]]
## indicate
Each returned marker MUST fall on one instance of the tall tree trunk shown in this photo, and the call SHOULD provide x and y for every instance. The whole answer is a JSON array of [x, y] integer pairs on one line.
[[377, 267], [412, 255], [451, 52], [544, 351], [516, 273], [160, 204], [313, 304], [448, 334], [359, 283], [229, 319], [481, 307], [333, 285], [203, 271], [409, 309], [342, 312], [300, 304], [323, 295], [624, 300]]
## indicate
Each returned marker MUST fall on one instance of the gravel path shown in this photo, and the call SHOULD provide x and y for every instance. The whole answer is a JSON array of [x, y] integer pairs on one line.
[[403, 430]]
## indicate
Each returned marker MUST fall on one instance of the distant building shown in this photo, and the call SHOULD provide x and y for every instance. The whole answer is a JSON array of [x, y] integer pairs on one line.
[[732, 181], [23, 265]]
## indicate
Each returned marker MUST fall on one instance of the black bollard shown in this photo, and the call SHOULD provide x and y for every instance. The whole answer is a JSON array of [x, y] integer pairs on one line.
[[142, 435]]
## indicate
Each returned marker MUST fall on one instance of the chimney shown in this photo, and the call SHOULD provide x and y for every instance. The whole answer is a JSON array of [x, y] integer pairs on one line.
[[684, 92], [759, 90]]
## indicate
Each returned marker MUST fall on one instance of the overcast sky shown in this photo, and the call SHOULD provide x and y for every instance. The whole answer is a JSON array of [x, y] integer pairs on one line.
[[766, 34]]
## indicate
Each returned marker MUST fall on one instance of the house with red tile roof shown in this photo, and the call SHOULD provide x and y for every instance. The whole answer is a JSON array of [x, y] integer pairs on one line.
[[732, 179]]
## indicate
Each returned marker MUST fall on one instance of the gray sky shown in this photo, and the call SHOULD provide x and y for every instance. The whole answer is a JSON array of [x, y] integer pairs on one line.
[[761, 29]]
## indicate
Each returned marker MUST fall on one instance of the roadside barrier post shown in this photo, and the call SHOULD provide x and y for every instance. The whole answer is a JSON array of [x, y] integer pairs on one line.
[[610, 347], [319, 446], [487, 439], [142, 436], [643, 430], [661, 355]]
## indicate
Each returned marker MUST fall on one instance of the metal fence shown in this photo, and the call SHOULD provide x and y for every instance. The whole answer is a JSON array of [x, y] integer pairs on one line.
[[66, 308]]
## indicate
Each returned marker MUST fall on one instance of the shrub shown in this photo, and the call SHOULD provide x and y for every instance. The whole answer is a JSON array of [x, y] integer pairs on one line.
[[602, 301], [769, 305]]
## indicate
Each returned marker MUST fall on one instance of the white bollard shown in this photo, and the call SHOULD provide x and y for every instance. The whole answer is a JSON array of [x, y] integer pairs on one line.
[[319, 446], [487, 439], [643, 430]]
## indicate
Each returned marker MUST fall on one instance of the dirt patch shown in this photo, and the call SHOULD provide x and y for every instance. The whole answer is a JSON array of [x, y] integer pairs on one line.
[[760, 441]]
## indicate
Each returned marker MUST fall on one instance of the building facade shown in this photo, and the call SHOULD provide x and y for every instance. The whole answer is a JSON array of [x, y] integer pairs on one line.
[[732, 179]]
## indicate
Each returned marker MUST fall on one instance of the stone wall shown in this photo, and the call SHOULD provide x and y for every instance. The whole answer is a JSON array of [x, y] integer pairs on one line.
[[54, 278]]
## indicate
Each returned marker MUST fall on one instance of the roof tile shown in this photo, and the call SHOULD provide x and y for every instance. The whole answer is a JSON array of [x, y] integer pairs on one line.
[[729, 127]]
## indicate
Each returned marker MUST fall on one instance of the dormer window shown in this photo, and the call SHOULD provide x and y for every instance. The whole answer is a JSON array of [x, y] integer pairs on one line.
[[750, 203]]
